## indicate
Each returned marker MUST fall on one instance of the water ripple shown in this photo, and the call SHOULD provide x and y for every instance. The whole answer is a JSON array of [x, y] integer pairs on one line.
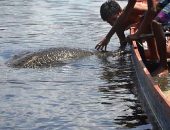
[[96, 92]]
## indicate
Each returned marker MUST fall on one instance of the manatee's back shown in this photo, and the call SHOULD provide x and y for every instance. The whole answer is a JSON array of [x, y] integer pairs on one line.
[[48, 57]]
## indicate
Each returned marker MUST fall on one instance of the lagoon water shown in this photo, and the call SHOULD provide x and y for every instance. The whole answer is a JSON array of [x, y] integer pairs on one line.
[[93, 93]]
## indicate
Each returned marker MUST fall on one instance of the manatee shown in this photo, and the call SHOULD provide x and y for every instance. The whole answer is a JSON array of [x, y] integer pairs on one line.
[[49, 57]]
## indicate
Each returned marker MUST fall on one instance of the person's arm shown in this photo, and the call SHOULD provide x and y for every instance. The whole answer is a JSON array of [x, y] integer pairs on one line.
[[128, 9], [130, 5], [122, 18], [116, 27], [106, 40], [122, 38], [145, 26]]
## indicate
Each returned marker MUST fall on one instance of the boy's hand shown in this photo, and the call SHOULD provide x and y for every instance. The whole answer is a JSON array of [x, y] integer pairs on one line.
[[102, 44]]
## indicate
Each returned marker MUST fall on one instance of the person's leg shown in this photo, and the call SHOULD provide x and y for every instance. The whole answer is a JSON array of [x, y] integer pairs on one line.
[[161, 45], [152, 49]]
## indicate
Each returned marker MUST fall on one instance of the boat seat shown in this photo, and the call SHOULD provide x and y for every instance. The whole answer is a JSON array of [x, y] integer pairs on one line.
[[146, 36], [166, 28]]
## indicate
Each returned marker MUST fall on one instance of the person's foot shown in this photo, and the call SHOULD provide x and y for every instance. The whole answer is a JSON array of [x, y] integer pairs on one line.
[[161, 72]]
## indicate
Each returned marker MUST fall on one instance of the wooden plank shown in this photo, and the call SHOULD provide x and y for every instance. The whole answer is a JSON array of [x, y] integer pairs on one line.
[[145, 36]]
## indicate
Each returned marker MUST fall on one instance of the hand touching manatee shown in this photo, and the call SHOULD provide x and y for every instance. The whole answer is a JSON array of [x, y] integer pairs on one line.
[[102, 44]]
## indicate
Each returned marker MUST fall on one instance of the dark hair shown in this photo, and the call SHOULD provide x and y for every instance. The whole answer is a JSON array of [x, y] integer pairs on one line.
[[109, 8]]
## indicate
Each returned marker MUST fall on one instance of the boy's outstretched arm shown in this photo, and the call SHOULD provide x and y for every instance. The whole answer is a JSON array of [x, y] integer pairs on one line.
[[103, 43]]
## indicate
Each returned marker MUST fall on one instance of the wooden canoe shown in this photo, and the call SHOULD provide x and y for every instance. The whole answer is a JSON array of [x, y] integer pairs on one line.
[[156, 103]]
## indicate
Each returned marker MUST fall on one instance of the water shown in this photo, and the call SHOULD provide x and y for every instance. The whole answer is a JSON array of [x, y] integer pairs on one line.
[[86, 94]]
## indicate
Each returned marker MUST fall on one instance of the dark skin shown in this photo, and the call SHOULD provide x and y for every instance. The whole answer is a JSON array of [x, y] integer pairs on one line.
[[146, 23], [122, 21]]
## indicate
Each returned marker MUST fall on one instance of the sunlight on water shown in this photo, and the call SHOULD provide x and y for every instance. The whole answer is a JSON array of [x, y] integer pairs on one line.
[[95, 92]]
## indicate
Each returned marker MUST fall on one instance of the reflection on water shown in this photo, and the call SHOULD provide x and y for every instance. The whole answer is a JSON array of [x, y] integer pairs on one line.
[[118, 75], [95, 92]]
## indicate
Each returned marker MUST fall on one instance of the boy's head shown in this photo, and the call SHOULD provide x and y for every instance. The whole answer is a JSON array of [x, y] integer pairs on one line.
[[109, 9]]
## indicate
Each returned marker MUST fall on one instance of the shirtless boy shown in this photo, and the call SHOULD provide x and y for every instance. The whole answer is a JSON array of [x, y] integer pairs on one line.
[[120, 20]]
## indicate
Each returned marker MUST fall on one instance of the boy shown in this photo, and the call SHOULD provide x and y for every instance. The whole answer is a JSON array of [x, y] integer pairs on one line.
[[120, 20]]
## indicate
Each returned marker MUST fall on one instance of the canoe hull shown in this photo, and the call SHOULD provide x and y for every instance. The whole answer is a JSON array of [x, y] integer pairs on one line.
[[155, 102]]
